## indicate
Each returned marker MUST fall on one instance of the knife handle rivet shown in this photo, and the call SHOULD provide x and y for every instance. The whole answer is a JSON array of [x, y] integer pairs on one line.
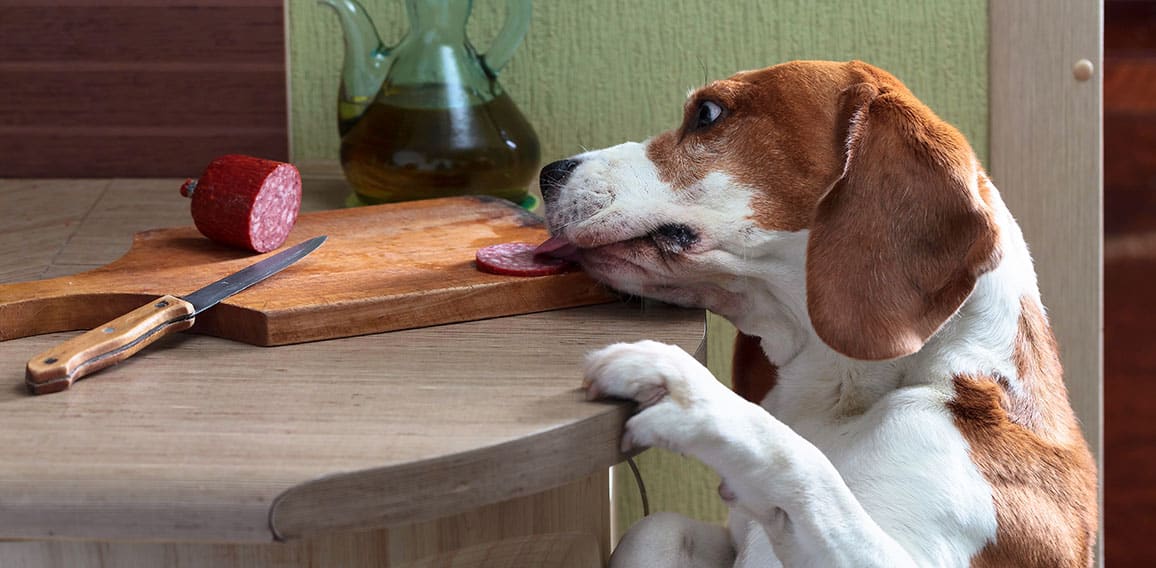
[[108, 329], [161, 304], [50, 360]]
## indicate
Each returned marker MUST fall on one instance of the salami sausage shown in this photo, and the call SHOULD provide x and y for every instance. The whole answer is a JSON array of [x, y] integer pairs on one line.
[[245, 202], [519, 259]]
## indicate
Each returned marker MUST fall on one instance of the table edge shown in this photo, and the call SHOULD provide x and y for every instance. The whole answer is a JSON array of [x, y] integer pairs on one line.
[[360, 500]]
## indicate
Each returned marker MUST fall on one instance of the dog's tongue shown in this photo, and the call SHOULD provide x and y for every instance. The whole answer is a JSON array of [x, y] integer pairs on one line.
[[557, 247]]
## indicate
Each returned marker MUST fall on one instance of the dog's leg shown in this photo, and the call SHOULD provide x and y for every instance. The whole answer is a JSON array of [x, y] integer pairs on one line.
[[670, 540], [769, 471]]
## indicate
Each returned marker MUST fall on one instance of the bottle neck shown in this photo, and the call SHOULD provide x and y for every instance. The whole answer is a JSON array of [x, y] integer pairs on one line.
[[438, 21]]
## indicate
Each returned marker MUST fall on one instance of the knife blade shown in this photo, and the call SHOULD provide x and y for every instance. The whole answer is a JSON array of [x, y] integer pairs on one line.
[[57, 368]]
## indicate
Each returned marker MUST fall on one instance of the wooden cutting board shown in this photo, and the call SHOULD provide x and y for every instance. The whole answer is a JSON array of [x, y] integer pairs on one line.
[[384, 268]]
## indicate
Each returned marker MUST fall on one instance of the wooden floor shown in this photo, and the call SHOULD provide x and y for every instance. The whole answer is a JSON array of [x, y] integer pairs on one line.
[[1130, 266]]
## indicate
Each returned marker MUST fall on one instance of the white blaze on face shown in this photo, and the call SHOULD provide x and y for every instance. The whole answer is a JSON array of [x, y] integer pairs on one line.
[[605, 198], [619, 210]]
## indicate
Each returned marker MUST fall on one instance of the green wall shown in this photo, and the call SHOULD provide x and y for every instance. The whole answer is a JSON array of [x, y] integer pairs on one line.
[[592, 73]]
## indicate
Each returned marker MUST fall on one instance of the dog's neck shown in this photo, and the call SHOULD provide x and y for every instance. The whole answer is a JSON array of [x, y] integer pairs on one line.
[[978, 340]]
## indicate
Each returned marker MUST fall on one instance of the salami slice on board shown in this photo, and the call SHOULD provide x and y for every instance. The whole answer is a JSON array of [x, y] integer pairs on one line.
[[519, 259]]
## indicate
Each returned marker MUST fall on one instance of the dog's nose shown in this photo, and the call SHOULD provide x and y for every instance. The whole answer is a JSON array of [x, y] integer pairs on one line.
[[554, 175]]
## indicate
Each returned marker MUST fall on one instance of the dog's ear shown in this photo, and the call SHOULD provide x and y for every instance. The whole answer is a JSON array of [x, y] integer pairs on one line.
[[898, 242]]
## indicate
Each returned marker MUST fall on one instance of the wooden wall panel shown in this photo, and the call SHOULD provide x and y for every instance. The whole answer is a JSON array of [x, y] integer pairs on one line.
[[1128, 27], [97, 88], [133, 96], [1130, 261], [1129, 166]]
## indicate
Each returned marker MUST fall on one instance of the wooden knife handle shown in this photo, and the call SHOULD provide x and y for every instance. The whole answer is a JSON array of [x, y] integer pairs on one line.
[[57, 368]]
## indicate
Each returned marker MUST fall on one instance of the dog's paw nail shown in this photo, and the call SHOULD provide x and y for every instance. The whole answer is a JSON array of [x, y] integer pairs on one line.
[[725, 492], [592, 391], [627, 444], [590, 385]]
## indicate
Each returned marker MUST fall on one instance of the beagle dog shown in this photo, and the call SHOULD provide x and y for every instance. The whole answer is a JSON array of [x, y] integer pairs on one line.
[[907, 402]]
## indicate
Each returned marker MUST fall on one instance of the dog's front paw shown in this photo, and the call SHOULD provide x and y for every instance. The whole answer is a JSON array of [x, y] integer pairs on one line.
[[676, 394]]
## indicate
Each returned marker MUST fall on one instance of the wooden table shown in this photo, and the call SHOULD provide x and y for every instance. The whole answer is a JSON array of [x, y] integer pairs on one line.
[[448, 443]]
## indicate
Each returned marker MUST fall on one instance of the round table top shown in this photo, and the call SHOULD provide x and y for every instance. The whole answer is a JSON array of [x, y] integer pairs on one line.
[[203, 439]]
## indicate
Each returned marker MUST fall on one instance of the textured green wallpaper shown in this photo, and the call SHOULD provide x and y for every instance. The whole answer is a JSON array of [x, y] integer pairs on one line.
[[592, 73], [598, 72]]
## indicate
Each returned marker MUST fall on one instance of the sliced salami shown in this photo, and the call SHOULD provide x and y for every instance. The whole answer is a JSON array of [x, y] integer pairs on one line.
[[246, 202], [519, 259]]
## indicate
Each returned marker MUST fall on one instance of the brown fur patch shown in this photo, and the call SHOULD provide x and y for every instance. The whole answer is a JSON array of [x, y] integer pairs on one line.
[[1028, 446], [781, 134], [1042, 406], [752, 375]]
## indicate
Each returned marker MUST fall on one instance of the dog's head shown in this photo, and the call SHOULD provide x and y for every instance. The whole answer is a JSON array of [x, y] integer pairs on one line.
[[828, 179]]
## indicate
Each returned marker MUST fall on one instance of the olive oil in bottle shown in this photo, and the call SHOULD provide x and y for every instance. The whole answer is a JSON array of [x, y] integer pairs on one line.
[[398, 153]]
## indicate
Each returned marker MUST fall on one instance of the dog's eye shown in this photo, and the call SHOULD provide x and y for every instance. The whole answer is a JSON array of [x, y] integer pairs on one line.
[[708, 113]]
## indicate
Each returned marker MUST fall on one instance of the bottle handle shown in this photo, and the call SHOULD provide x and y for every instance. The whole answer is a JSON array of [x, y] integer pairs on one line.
[[508, 39], [366, 59]]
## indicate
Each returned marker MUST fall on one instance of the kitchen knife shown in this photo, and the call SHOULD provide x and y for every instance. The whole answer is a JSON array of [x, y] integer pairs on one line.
[[57, 368]]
